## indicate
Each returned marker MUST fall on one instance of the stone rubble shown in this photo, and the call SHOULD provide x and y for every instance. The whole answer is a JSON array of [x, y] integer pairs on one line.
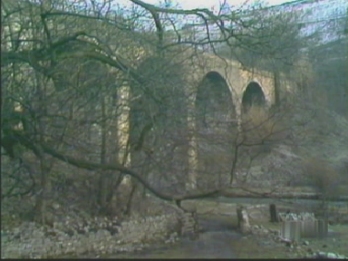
[[65, 239], [301, 251], [296, 217], [325, 255]]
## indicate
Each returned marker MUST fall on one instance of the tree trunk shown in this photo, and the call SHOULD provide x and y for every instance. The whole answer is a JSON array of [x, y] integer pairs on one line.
[[40, 205], [103, 178], [130, 198]]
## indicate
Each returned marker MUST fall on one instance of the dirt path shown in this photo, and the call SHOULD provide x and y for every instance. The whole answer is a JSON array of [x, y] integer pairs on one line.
[[215, 241]]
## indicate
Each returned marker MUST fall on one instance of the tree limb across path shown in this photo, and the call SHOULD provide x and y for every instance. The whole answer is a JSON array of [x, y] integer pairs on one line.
[[116, 167]]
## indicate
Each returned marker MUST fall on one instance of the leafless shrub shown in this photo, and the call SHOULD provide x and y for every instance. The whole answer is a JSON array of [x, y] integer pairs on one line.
[[324, 177], [262, 127]]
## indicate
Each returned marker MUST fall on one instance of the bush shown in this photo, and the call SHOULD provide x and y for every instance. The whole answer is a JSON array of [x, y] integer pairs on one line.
[[324, 177], [262, 127]]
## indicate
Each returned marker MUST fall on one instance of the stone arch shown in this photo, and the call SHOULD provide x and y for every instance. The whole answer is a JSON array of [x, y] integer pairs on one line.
[[253, 96], [215, 122], [212, 90]]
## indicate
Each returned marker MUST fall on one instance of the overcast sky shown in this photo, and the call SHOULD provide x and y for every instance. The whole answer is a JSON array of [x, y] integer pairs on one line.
[[189, 4]]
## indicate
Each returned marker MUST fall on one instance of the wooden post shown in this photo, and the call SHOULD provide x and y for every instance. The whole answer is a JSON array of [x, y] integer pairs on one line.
[[273, 213]]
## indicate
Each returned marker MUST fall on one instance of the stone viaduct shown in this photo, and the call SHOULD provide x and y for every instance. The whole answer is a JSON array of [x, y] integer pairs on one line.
[[241, 87], [222, 88], [244, 84]]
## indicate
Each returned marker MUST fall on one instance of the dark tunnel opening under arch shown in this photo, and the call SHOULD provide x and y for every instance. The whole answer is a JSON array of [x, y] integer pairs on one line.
[[215, 121], [253, 96], [214, 104]]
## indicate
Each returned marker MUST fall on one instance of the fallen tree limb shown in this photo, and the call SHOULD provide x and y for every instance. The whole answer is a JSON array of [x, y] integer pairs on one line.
[[249, 193], [116, 167]]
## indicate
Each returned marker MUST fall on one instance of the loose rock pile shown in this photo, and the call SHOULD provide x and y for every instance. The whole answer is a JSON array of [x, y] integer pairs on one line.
[[302, 250], [33, 241], [324, 255], [296, 217], [261, 230], [273, 237], [73, 225]]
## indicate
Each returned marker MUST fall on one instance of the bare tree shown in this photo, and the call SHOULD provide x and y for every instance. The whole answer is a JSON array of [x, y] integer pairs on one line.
[[66, 63]]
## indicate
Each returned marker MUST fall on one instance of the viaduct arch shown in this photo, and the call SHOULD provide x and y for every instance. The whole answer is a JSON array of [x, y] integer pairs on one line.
[[217, 92], [215, 123]]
